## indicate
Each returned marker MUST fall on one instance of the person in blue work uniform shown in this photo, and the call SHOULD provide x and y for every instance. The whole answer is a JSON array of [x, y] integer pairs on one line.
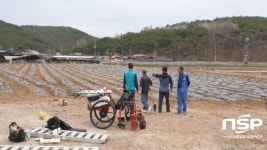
[[166, 85], [183, 83], [130, 82]]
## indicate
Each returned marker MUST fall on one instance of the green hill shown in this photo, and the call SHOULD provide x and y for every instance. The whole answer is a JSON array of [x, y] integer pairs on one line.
[[42, 38], [199, 40], [195, 41]]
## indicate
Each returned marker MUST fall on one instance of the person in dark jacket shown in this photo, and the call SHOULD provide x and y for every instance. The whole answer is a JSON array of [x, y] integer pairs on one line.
[[166, 85], [145, 83], [183, 83]]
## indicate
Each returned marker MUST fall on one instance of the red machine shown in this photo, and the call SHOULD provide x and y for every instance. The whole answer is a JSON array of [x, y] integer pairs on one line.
[[131, 114], [103, 109]]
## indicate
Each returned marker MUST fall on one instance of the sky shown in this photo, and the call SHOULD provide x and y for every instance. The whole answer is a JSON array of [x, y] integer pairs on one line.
[[101, 18]]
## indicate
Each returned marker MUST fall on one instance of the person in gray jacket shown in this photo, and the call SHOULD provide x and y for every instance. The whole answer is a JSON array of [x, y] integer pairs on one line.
[[166, 85], [145, 83]]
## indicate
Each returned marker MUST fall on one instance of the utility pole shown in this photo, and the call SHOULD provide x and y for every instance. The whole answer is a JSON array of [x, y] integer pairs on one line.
[[11, 47], [246, 42], [61, 49], [122, 52], [95, 49], [107, 51], [215, 51], [49, 51], [154, 52]]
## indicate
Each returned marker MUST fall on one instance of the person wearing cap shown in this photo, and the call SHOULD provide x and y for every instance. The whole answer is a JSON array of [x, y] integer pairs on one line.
[[183, 83], [145, 83]]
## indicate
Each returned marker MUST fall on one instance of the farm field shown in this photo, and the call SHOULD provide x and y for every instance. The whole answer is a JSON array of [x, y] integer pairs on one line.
[[215, 93]]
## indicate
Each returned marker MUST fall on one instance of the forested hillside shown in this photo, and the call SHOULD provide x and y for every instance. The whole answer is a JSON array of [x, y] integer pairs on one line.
[[68, 37], [197, 41], [201, 40], [41, 38]]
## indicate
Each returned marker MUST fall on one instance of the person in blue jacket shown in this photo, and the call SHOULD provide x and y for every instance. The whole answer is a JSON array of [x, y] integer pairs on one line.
[[183, 83], [130, 82]]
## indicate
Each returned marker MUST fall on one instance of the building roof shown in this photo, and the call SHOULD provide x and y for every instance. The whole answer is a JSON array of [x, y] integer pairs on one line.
[[3, 51], [71, 57], [138, 55]]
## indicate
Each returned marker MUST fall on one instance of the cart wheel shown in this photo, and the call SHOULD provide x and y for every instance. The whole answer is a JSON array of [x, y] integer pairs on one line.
[[127, 111], [142, 124], [134, 124], [102, 114]]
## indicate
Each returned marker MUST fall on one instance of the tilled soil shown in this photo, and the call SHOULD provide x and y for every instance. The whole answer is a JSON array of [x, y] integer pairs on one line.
[[215, 94]]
